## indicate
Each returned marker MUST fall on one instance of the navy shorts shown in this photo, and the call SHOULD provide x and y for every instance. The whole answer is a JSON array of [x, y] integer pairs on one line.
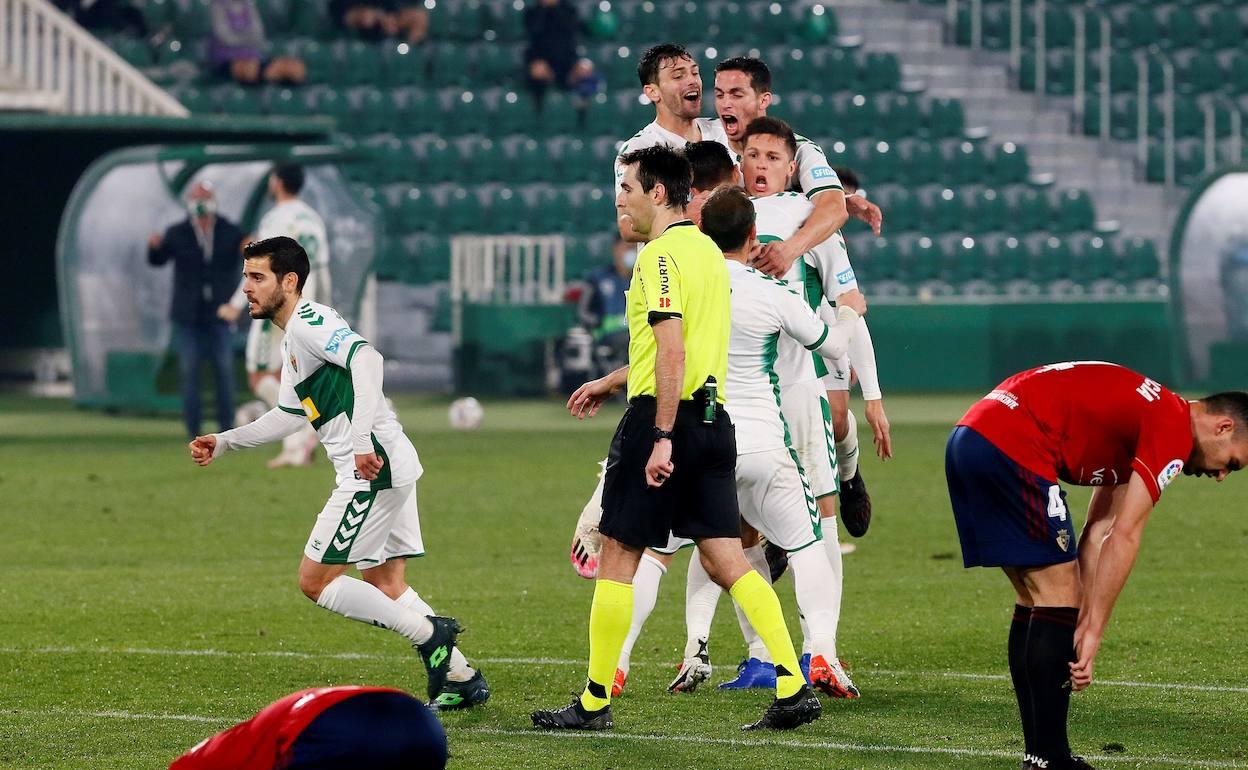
[[372, 730], [1007, 516]]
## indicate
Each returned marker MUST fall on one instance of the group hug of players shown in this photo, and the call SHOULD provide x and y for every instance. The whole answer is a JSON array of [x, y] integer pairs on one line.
[[745, 321]]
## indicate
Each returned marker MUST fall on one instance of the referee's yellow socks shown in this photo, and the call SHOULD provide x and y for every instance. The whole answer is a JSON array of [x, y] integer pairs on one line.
[[609, 619], [761, 606]]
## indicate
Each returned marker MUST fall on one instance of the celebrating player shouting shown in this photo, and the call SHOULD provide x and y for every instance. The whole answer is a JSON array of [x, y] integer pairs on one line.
[[331, 377], [1093, 424]]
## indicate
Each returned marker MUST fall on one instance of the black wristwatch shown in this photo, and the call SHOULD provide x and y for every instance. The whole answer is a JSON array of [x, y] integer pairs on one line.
[[660, 434]]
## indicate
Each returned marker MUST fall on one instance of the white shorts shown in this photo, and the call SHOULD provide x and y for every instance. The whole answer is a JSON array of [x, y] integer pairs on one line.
[[837, 377], [806, 411], [367, 528], [776, 499], [264, 348]]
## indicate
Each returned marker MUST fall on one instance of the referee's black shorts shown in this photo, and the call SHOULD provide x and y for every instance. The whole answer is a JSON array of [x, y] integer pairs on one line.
[[699, 499]]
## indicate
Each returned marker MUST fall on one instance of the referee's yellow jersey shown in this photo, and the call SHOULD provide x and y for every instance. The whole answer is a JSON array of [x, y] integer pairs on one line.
[[681, 274]]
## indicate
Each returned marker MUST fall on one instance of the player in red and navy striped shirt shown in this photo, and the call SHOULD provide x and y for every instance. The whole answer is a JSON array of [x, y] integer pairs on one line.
[[330, 727], [1087, 423]]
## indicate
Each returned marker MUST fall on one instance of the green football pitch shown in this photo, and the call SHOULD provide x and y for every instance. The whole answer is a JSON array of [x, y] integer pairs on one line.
[[148, 603]]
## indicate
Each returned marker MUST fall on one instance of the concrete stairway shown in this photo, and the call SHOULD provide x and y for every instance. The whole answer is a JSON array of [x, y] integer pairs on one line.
[[981, 80]]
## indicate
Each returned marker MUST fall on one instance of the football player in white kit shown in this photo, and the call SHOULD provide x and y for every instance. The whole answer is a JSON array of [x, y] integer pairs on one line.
[[743, 93], [290, 216], [331, 378]]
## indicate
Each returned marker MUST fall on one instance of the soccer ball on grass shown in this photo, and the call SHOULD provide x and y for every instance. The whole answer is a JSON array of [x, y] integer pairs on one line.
[[465, 414]]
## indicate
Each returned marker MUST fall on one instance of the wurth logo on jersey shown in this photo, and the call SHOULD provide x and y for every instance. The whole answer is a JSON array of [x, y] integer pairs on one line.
[[665, 280], [1150, 390], [665, 302]]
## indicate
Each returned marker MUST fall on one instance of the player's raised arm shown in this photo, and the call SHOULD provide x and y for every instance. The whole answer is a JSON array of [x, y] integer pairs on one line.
[[1127, 516]]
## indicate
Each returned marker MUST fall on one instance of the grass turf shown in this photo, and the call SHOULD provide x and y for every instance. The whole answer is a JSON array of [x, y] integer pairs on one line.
[[121, 559]]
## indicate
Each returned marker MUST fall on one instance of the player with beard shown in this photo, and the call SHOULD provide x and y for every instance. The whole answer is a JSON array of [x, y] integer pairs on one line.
[[331, 378], [1093, 424], [743, 94]]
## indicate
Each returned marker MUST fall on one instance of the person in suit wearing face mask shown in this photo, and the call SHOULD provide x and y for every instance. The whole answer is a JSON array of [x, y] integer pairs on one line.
[[206, 252]]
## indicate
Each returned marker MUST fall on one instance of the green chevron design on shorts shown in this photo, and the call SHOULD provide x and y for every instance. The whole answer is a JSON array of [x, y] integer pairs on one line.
[[349, 527], [830, 437]]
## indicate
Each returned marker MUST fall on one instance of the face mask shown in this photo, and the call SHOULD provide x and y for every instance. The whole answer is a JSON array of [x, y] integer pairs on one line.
[[630, 258], [203, 207]]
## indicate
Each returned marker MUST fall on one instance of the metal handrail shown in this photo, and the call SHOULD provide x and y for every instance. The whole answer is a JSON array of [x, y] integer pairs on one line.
[[1042, 50], [1016, 34], [47, 52], [1211, 104], [1081, 89]]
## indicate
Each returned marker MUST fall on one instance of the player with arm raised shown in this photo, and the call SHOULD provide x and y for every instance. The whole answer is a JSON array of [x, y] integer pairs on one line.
[[1088, 423], [743, 93], [332, 378]]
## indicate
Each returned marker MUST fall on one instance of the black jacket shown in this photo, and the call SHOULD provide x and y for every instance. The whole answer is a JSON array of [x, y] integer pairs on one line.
[[192, 273]]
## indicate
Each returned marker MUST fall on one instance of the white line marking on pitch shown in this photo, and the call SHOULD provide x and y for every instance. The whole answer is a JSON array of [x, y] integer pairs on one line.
[[682, 739], [868, 672], [878, 748]]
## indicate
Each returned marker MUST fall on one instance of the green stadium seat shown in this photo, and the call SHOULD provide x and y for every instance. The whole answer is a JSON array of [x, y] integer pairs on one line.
[[513, 114], [968, 164], [1237, 73], [646, 23], [922, 262], [880, 72], [417, 212], [881, 162], [558, 114], [528, 162], [988, 213], [817, 25], [416, 112], [1095, 261], [499, 65], [1075, 212], [195, 100], [944, 118], [1011, 261], [1141, 29], [438, 161], [1030, 211], [1182, 28], [192, 20], [449, 66], [318, 58], [604, 23], [1224, 31], [943, 212], [505, 212], [832, 69], [1009, 165], [690, 20], [735, 26], [1052, 262], [901, 210], [924, 162], [468, 113], [372, 112], [1199, 73], [899, 116], [236, 100], [134, 51], [576, 162], [1138, 260], [880, 260], [965, 261], [309, 20], [618, 66]]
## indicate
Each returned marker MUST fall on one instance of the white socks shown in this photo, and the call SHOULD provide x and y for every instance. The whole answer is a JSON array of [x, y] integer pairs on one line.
[[847, 449], [460, 670], [701, 598], [645, 593], [818, 597], [358, 600], [757, 649]]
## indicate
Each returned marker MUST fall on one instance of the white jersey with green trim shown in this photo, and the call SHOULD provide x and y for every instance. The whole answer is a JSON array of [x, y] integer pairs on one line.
[[764, 311], [653, 134], [296, 219], [823, 273], [814, 174], [316, 382]]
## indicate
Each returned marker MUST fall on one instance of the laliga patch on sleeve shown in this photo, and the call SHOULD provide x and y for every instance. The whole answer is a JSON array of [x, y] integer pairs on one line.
[[823, 172], [335, 339], [1169, 473], [845, 276]]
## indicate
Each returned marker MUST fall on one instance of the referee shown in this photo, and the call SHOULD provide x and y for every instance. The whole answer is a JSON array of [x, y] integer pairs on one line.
[[671, 468]]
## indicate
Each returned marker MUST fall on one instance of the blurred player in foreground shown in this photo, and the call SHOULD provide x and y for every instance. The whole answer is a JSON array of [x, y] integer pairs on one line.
[[332, 377], [1092, 424], [373, 727]]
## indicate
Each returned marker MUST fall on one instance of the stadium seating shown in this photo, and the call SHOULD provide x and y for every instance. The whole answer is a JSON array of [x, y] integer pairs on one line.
[[455, 143], [1203, 39]]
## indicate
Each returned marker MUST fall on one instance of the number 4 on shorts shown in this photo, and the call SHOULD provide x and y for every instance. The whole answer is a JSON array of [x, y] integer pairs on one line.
[[1057, 506]]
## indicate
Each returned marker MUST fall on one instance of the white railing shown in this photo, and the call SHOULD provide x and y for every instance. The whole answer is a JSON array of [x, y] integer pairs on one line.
[[506, 269], [44, 51]]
